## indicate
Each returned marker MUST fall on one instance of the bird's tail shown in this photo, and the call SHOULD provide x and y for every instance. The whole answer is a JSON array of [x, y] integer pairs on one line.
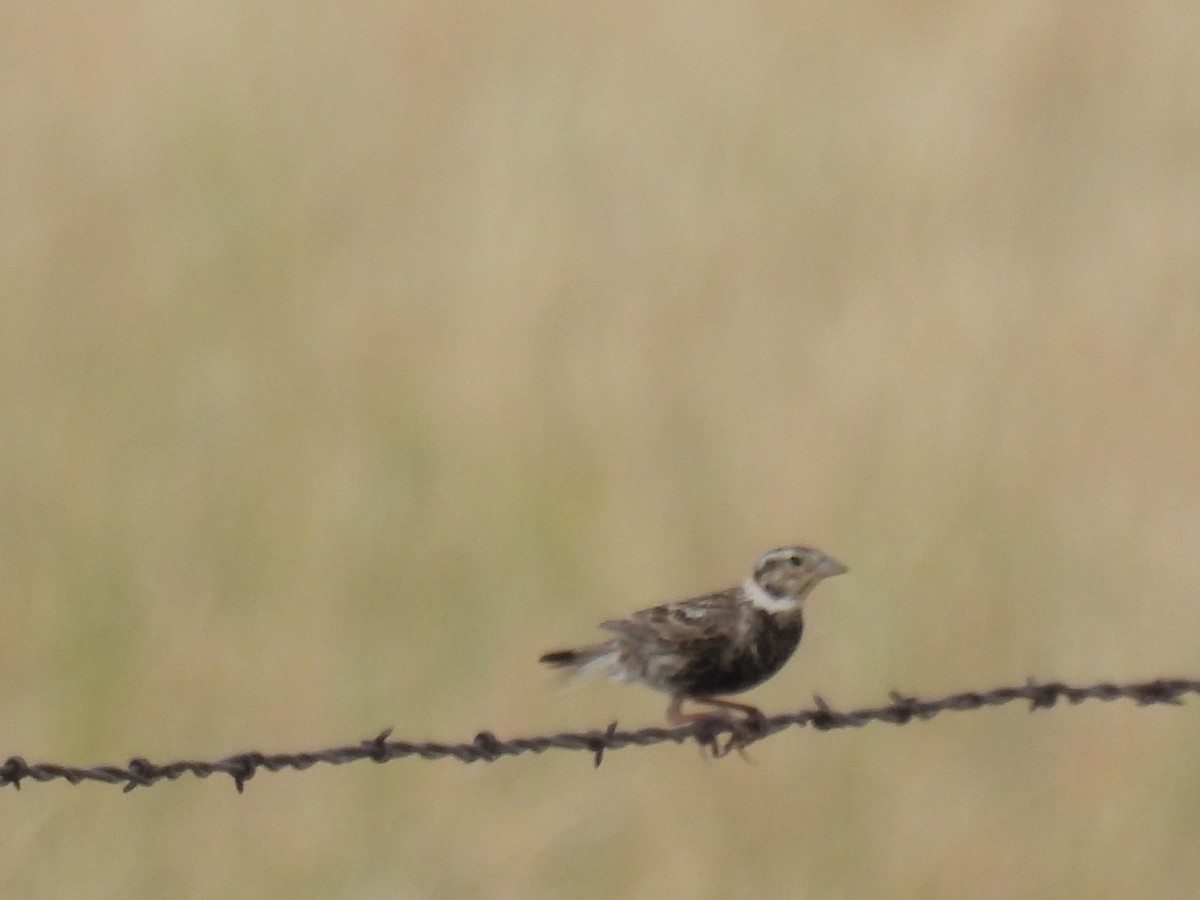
[[584, 660]]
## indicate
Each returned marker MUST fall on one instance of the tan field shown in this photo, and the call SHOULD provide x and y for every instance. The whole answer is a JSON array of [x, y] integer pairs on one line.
[[353, 356]]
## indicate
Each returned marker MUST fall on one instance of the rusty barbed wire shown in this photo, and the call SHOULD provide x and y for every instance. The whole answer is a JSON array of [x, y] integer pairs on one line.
[[486, 747]]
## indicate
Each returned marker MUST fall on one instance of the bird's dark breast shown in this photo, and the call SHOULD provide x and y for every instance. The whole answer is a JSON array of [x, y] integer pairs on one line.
[[732, 669]]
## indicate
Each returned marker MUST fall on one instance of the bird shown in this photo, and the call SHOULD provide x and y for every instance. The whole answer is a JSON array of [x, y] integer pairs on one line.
[[702, 648]]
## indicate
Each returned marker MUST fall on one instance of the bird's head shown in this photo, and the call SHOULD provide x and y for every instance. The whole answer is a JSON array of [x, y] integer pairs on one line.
[[786, 575]]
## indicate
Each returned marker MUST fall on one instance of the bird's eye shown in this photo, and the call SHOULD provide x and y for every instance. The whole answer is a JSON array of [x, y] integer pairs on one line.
[[795, 559]]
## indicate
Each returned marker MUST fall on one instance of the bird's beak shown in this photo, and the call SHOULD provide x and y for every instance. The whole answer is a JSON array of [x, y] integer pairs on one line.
[[828, 567]]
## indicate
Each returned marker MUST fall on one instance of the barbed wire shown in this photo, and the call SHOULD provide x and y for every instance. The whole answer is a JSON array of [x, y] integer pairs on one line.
[[706, 732]]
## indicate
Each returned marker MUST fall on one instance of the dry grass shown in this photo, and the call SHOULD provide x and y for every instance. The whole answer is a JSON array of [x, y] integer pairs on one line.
[[350, 357]]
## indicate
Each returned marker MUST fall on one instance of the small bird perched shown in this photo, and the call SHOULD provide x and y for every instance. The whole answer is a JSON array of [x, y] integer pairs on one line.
[[722, 643]]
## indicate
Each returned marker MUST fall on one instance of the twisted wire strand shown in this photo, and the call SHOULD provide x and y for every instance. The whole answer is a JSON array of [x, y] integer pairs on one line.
[[707, 733]]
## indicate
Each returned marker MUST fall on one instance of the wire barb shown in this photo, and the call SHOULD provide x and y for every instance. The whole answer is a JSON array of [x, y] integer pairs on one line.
[[486, 747]]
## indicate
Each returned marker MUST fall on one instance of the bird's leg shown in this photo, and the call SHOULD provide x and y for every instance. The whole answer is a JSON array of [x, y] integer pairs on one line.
[[705, 740], [676, 715], [745, 730], [754, 715]]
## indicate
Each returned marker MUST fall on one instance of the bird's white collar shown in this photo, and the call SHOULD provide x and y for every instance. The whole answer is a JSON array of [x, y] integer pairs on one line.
[[767, 601]]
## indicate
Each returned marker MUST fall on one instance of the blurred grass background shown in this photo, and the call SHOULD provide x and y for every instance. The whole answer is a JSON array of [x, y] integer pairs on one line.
[[351, 356]]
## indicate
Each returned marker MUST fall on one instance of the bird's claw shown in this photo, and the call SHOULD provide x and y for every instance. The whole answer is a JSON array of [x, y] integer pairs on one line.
[[743, 731]]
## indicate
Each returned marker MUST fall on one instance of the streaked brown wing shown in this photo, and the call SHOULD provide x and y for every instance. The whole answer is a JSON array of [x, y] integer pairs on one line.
[[712, 618]]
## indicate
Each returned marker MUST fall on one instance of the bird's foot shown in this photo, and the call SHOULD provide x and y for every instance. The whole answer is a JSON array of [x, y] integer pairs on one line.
[[745, 724]]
